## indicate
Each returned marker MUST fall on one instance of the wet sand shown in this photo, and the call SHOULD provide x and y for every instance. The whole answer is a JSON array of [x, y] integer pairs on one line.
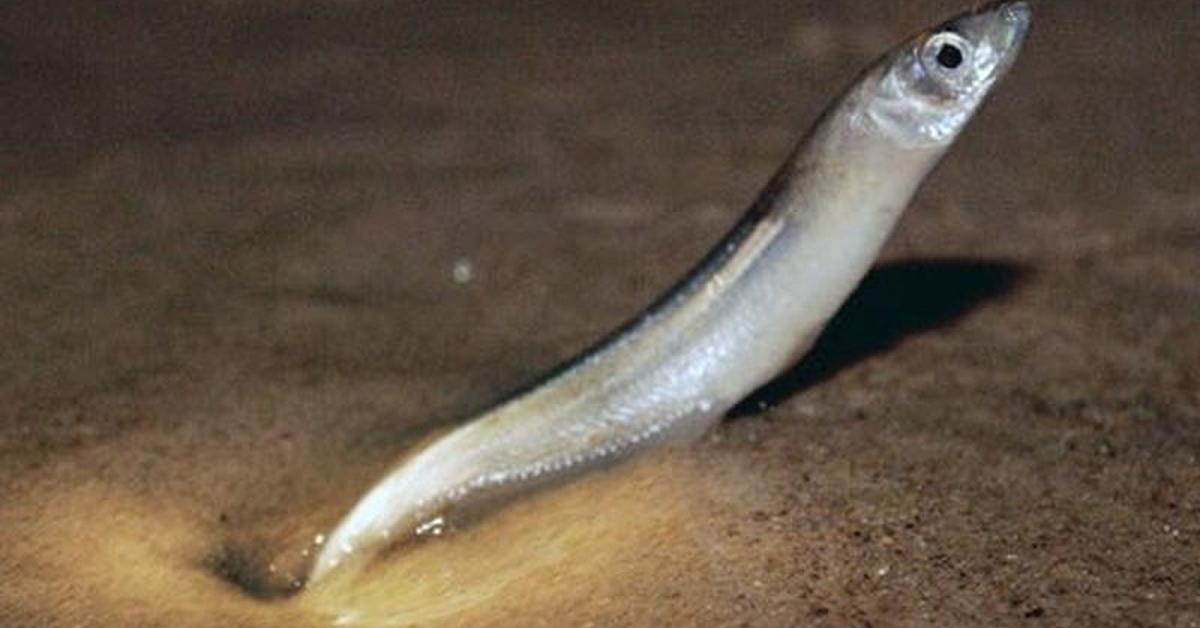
[[251, 252]]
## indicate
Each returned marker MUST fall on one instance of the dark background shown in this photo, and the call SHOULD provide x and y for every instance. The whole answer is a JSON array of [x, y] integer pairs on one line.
[[228, 240]]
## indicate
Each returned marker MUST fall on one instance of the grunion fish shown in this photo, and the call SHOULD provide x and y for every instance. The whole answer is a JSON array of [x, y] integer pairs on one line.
[[748, 310]]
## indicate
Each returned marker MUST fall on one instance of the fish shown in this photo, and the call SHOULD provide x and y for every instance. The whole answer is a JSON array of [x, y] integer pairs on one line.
[[748, 310]]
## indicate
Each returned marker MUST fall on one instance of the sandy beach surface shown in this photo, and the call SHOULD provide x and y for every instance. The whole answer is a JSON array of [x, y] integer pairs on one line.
[[252, 251]]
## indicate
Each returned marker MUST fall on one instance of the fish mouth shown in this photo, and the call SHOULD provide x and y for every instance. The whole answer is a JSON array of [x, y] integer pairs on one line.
[[1012, 23], [1007, 20], [1017, 17]]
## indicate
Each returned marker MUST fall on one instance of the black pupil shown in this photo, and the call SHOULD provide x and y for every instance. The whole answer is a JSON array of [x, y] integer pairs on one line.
[[950, 56]]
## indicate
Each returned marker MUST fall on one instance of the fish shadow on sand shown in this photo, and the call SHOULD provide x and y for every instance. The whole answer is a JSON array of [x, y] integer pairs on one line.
[[894, 301]]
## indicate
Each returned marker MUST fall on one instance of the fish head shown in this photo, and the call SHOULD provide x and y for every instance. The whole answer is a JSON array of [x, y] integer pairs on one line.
[[926, 90]]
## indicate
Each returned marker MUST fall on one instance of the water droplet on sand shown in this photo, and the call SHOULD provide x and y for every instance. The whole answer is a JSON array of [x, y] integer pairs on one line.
[[464, 270], [433, 527]]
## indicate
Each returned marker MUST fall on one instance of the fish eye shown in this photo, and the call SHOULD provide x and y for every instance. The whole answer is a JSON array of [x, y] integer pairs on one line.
[[949, 56], [946, 54]]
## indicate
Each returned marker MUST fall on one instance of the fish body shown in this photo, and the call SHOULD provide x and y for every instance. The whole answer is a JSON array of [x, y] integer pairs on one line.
[[750, 308]]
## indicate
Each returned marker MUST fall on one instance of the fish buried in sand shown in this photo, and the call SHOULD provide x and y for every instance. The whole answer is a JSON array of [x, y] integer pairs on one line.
[[749, 309]]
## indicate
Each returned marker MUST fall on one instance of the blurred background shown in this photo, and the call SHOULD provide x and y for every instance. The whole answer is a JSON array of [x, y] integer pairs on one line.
[[253, 250]]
